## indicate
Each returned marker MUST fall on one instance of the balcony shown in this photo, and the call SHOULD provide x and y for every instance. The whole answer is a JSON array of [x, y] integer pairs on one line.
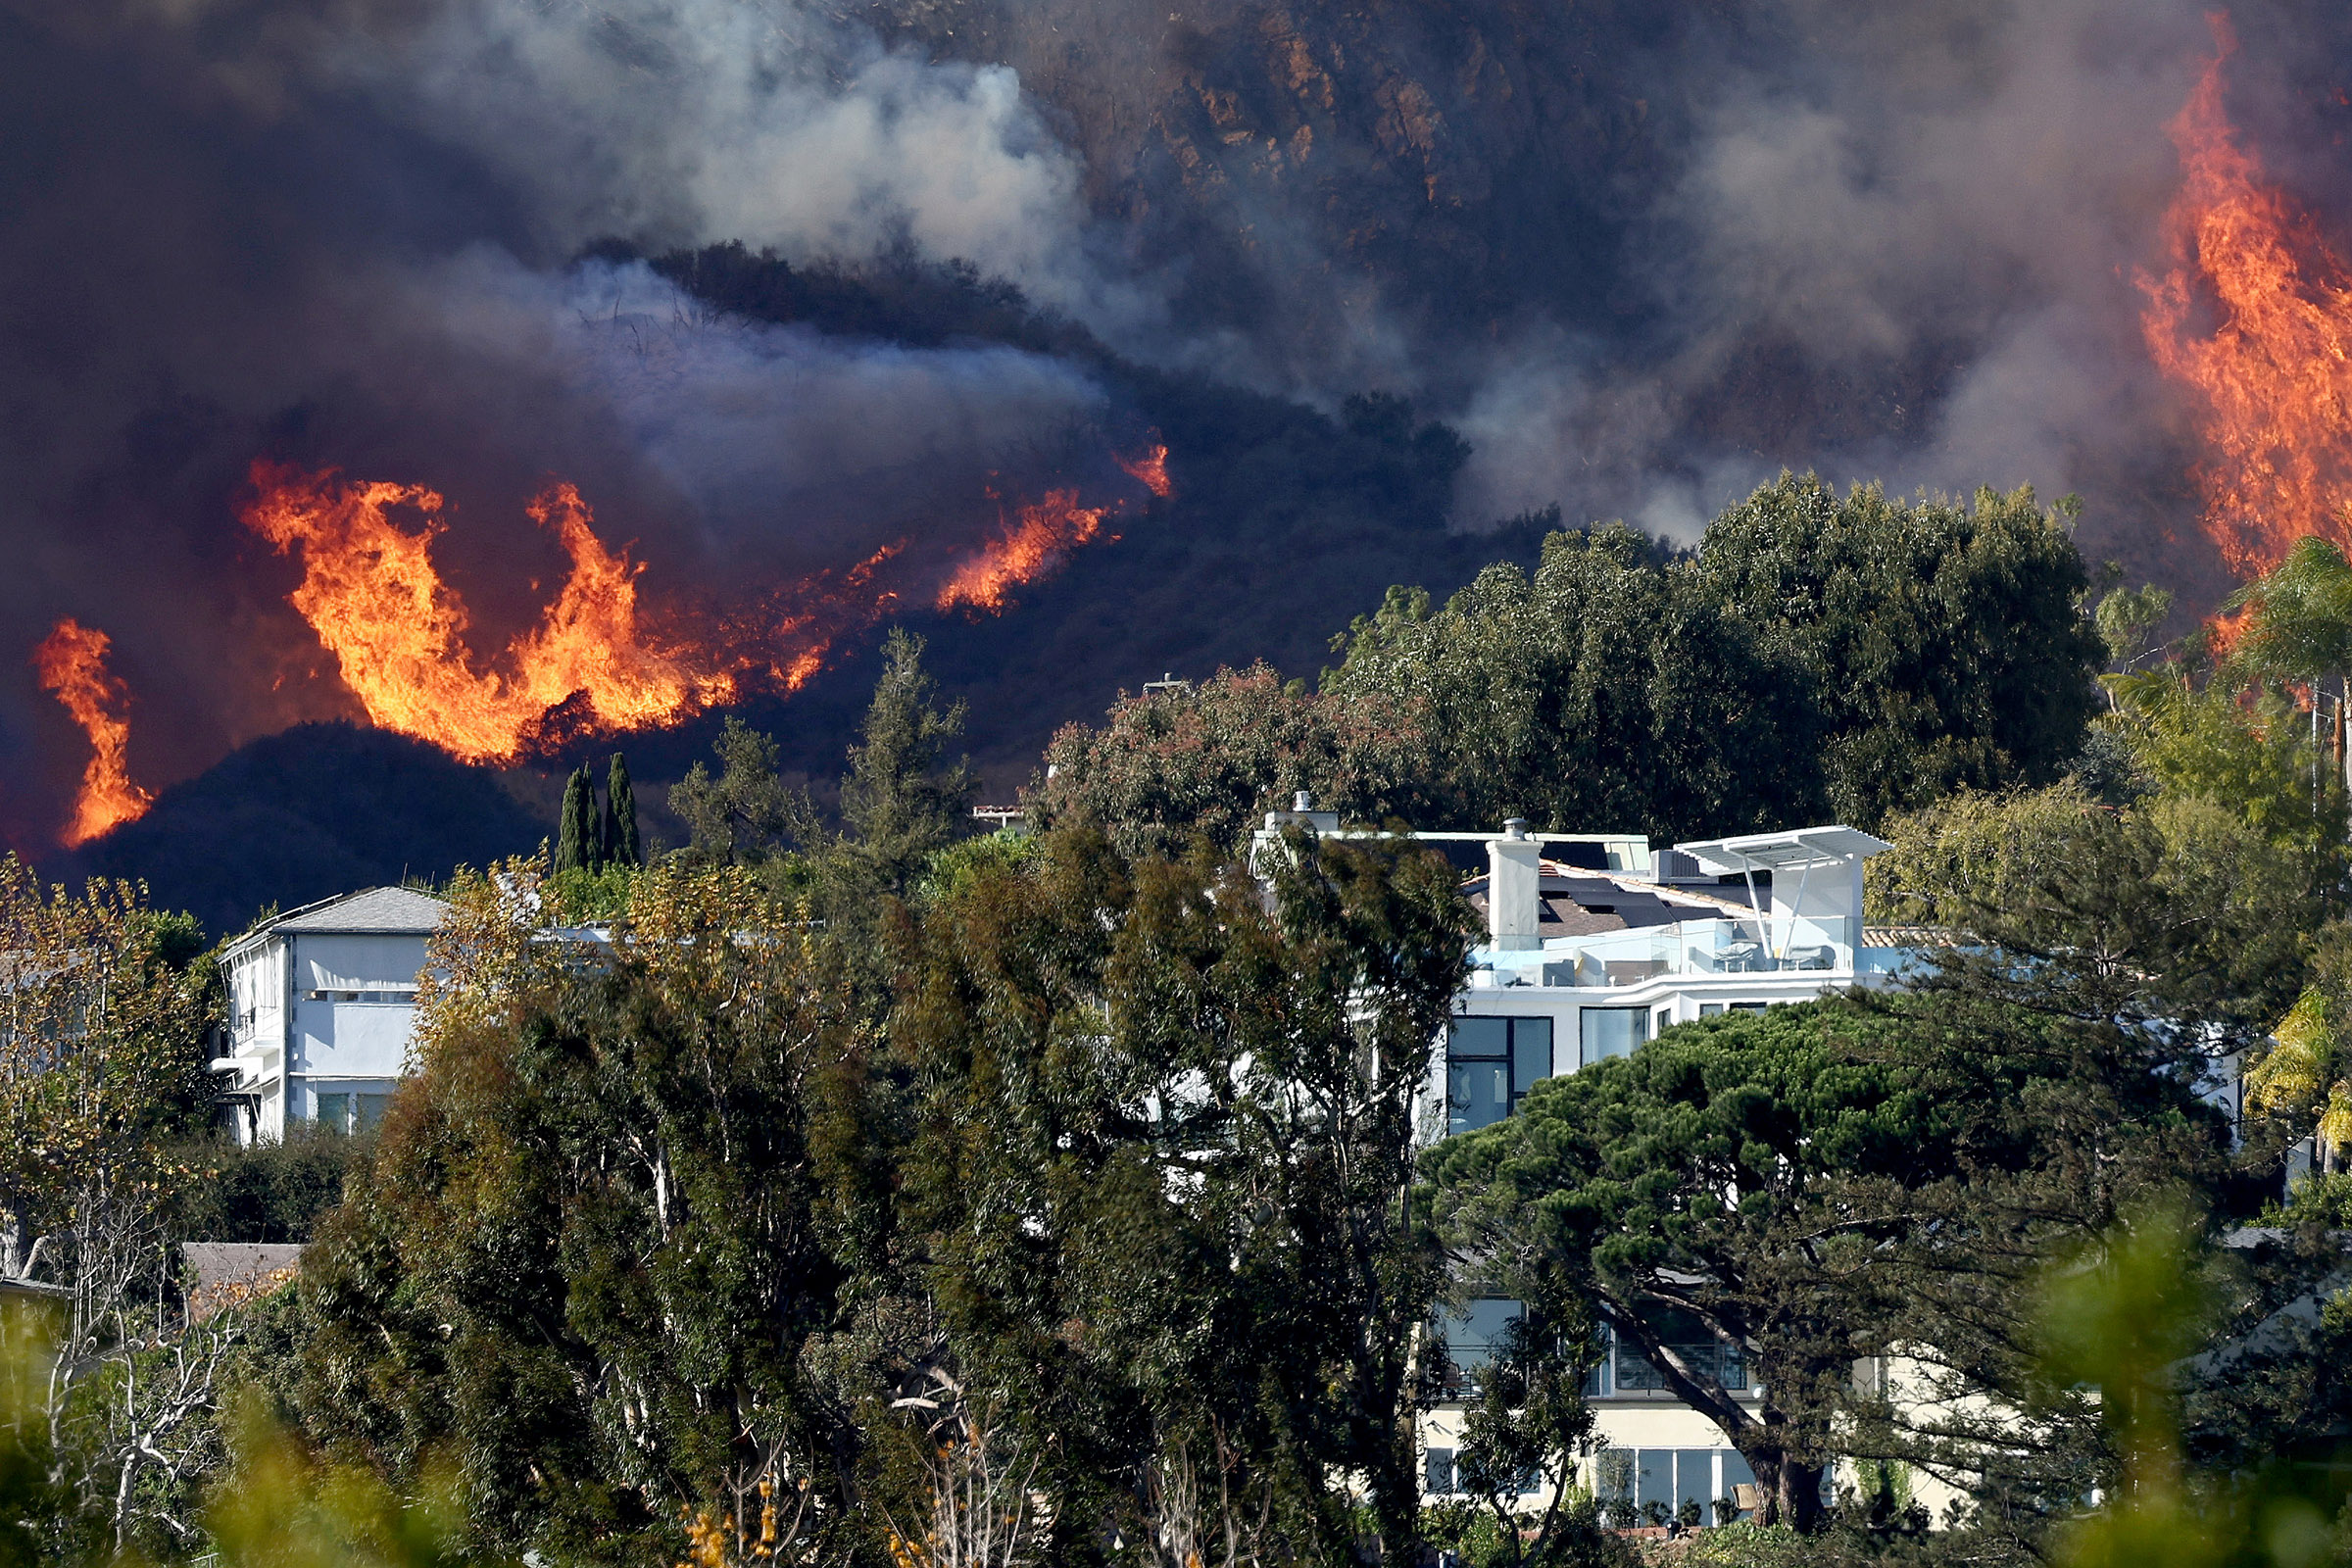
[[1615, 960]]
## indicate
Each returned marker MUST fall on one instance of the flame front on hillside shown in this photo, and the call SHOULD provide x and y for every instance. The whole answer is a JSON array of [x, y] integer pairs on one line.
[[72, 663], [590, 664], [2273, 377], [1024, 551], [370, 591]]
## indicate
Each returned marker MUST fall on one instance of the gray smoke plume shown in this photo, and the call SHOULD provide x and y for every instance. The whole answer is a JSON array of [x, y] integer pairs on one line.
[[1642, 256]]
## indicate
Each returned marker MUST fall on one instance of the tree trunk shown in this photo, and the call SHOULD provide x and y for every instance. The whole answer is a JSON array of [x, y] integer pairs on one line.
[[1788, 1493]]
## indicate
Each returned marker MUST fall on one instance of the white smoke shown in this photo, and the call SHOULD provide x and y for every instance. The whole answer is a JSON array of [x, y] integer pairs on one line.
[[1951, 207], [691, 121]]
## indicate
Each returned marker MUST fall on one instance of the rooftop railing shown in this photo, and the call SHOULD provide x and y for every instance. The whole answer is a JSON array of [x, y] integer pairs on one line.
[[1755, 945]]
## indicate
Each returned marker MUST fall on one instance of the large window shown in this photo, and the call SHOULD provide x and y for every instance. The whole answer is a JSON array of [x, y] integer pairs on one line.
[[1659, 1483], [1625, 1370], [1471, 1338], [1490, 1063], [352, 1113], [1612, 1032]]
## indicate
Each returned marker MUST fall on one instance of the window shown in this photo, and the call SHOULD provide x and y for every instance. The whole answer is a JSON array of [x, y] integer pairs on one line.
[[1612, 1031], [346, 1112], [1714, 1009], [1490, 1063], [1662, 1483], [1661, 1021], [1471, 1338], [1439, 1476], [1625, 1370], [405, 998]]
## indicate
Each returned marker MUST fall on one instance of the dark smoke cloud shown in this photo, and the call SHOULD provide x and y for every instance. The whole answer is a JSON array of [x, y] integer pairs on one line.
[[1905, 252], [342, 236], [1642, 256]]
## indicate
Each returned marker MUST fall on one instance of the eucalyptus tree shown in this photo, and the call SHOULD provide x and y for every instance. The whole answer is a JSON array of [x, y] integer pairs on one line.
[[1158, 1175]]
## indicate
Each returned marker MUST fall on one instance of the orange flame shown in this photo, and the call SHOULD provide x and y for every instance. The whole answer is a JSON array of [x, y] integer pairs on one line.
[[72, 662], [1149, 468], [372, 593], [1047, 531], [2274, 376]]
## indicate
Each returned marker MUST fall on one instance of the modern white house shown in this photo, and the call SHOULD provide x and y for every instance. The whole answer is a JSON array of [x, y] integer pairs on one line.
[[1594, 944], [322, 1004]]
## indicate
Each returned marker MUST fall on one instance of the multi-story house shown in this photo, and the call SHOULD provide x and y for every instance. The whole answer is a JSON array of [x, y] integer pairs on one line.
[[1594, 943], [322, 1003]]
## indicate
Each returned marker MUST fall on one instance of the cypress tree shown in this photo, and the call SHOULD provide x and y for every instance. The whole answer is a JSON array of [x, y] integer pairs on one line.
[[621, 843], [592, 833], [570, 854]]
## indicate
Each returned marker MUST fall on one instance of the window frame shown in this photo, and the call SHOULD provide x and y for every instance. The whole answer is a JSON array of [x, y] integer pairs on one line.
[[1513, 1057]]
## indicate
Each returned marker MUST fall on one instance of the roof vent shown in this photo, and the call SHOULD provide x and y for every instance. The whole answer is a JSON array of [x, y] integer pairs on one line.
[[1303, 801], [1514, 827]]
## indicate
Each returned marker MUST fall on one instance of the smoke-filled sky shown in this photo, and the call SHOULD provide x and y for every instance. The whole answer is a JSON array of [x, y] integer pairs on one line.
[[1640, 256]]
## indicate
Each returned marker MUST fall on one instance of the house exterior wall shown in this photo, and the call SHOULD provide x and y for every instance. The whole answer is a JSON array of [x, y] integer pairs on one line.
[[317, 1015], [1666, 1446]]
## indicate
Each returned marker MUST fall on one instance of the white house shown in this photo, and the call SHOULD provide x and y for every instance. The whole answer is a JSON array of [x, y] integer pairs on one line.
[[323, 1003], [1594, 944]]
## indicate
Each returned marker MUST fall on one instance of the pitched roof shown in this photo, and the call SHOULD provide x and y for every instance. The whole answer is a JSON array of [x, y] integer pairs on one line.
[[393, 911]]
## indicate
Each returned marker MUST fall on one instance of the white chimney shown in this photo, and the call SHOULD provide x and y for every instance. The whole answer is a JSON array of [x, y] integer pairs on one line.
[[1514, 889]]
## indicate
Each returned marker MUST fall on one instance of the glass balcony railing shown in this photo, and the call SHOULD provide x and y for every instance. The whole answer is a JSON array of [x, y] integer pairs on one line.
[[1613, 959]]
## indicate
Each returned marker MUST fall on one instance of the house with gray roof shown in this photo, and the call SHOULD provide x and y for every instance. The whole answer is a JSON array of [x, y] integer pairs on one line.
[[322, 1007]]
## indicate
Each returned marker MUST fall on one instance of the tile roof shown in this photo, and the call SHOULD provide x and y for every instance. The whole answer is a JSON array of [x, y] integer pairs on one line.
[[387, 911]]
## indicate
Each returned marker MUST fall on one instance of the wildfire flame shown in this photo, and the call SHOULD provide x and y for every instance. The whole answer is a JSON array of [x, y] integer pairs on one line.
[[370, 591], [72, 662], [1047, 531], [2274, 376], [1149, 469]]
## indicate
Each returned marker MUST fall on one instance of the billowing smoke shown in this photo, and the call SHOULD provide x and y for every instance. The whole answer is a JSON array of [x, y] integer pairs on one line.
[[1903, 252], [1641, 256], [344, 237]]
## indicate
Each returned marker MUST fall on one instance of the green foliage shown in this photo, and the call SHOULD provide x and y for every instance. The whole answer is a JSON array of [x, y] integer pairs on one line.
[[900, 805], [579, 840], [1527, 1417], [623, 844], [2127, 619], [2175, 908], [581, 896], [281, 1507], [741, 817], [1820, 657], [2245, 748], [1752, 1545], [2122, 1317], [269, 1191], [590, 1247], [102, 1062], [1945, 645], [1850, 1178], [1207, 759], [1609, 689], [2298, 616], [954, 870], [1156, 1172], [1702, 1175]]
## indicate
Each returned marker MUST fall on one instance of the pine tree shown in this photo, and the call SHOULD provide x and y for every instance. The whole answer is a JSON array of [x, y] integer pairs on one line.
[[901, 805], [571, 847], [621, 843]]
